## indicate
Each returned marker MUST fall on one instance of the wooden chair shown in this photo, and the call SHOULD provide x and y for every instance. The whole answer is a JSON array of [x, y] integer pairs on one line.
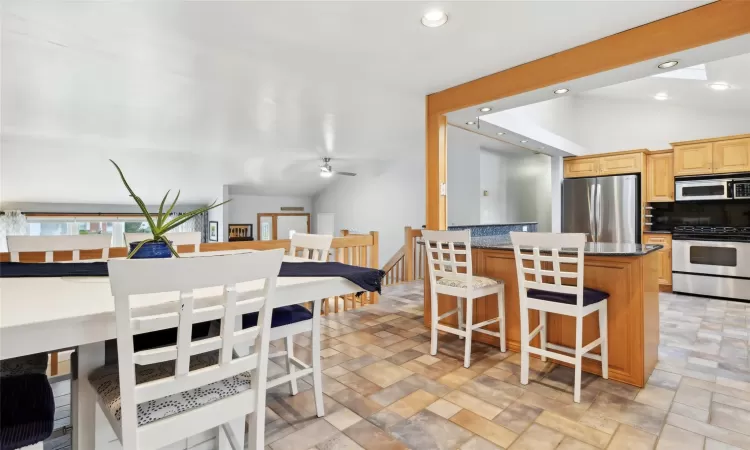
[[450, 276], [314, 247], [50, 244], [546, 293], [156, 397], [193, 238]]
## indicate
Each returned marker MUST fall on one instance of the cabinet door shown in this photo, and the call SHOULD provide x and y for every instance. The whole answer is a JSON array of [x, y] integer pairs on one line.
[[695, 159], [616, 164], [732, 156], [660, 177], [576, 168], [665, 255]]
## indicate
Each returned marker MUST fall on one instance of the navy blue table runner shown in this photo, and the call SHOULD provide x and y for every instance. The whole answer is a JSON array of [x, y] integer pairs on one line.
[[364, 277]]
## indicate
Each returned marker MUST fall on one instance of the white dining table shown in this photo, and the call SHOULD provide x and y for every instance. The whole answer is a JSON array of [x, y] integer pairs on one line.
[[46, 314]]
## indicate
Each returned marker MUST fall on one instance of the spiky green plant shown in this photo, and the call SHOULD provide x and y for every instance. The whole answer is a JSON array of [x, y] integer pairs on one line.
[[161, 226]]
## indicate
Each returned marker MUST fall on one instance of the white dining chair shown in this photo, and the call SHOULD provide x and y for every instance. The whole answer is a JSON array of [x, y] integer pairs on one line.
[[541, 288], [288, 321], [50, 244], [449, 276], [193, 238], [156, 397]]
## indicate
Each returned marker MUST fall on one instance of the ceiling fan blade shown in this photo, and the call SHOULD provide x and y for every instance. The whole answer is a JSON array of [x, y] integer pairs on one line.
[[346, 174]]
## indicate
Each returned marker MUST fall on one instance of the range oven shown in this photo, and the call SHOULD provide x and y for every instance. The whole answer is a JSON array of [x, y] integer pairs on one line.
[[712, 261], [712, 189]]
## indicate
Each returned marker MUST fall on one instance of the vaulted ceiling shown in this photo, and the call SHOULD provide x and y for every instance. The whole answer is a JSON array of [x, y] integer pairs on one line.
[[195, 95]]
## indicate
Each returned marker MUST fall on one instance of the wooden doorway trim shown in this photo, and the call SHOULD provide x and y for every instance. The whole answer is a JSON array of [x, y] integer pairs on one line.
[[274, 221], [718, 21]]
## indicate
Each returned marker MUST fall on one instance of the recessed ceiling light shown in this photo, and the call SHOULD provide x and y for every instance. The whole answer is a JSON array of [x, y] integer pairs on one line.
[[471, 122], [434, 18], [719, 86], [667, 64], [523, 142], [485, 109], [500, 133], [661, 96], [561, 91]]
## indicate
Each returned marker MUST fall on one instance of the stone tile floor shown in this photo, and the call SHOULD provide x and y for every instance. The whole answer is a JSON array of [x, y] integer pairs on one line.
[[384, 391]]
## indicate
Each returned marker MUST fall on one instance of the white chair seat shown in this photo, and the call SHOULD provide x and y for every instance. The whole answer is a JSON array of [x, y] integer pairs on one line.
[[477, 282], [106, 381]]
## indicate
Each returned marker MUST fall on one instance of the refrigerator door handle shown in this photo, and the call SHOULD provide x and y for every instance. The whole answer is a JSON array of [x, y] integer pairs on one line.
[[598, 212], [592, 212]]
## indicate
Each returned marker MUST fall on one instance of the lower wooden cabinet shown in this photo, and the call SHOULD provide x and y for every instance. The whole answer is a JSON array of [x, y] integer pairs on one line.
[[665, 255]]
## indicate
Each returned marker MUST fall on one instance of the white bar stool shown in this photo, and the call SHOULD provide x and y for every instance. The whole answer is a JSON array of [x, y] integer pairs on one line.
[[545, 293], [445, 278]]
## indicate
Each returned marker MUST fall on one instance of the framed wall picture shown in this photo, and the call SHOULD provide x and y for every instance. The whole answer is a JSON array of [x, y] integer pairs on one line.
[[213, 231], [240, 232]]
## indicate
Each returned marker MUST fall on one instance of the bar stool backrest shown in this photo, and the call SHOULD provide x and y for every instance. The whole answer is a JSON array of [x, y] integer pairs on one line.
[[442, 247]]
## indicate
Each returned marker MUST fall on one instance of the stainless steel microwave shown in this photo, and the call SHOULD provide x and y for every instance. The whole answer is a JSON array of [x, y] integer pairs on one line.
[[712, 189]]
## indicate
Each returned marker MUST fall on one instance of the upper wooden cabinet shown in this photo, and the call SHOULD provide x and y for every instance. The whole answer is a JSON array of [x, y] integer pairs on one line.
[[710, 156], [731, 156], [693, 159], [622, 163], [660, 177], [607, 164], [584, 167]]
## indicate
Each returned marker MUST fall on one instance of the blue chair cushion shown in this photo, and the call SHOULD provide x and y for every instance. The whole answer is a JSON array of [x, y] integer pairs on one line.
[[590, 296], [27, 408], [284, 315]]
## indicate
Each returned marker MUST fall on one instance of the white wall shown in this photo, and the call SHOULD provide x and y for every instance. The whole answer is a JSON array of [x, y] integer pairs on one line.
[[245, 208], [463, 179], [385, 201]]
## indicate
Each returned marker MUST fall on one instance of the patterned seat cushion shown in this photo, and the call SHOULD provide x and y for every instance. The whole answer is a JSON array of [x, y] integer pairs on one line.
[[477, 282], [106, 381], [590, 296], [36, 363], [284, 315]]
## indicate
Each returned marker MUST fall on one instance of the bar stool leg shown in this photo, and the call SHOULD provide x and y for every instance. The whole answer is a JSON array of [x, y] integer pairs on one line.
[[543, 332], [524, 345], [578, 356], [604, 335], [460, 307], [468, 322], [434, 323], [290, 367], [501, 316]]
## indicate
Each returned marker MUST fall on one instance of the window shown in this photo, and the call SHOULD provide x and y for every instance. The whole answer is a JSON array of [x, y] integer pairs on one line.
[[72, 225]]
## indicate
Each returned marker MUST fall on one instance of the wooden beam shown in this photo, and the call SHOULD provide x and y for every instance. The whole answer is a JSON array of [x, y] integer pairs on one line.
[[714, 22]]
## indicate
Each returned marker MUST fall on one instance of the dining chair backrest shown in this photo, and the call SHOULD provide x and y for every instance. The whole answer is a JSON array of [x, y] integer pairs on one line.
[[50, 244], [314, 247], [530, 246], [208, 290], [178, 238], [442, 249]]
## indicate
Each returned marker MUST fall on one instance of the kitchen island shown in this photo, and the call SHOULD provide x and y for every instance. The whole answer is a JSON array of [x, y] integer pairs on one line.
[[628, 272]]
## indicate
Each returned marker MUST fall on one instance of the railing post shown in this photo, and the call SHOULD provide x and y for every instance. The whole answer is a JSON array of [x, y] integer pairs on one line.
[[345, 233], [408, 254], [374, 260]]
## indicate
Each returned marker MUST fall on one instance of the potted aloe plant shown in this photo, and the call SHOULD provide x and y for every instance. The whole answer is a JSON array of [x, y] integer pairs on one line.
[[159, 246]]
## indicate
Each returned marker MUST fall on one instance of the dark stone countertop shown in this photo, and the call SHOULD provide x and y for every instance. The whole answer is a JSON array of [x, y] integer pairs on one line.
[[502, 242], [592, 248]]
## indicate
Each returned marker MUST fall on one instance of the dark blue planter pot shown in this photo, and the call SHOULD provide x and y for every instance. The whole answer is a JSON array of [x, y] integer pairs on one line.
[[157, 249]]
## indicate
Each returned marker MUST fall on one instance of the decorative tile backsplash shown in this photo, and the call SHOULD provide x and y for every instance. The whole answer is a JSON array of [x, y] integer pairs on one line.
[[496, 229]]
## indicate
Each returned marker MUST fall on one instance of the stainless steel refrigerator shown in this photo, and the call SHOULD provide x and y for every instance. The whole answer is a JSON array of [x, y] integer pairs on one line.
[[605, 208]]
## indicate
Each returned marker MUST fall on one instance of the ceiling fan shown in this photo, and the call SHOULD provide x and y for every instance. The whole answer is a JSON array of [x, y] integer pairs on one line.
[[326, 171]]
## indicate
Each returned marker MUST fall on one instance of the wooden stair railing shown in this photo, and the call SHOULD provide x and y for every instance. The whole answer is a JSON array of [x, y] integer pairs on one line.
[[407, 264]]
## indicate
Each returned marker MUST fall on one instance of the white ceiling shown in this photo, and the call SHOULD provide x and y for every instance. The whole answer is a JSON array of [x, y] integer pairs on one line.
[[195, 95], [690, 93]]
